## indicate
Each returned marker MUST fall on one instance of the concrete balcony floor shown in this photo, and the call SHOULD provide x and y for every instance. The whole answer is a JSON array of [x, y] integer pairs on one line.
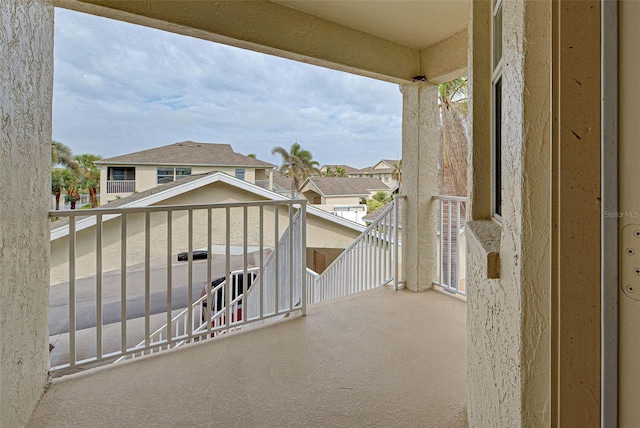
[[375, 359]]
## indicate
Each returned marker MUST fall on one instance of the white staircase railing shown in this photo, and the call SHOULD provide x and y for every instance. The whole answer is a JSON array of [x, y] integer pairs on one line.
[[179, 323], [271, 294], [371, 261], [282, 269]]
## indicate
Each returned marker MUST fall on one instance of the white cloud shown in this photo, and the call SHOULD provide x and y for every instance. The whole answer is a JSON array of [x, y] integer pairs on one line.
[[120, 88]]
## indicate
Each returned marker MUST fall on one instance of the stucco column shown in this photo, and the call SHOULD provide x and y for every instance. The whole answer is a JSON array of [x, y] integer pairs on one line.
[[26, 85], [419, 183]]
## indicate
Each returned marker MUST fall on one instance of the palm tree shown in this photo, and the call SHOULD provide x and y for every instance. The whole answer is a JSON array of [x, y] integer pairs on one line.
[[297, 164], [59, 179], [341, 172], [72, 185], [61, 155], [329, 172], [453, 137], [397, 173], [89, 175]]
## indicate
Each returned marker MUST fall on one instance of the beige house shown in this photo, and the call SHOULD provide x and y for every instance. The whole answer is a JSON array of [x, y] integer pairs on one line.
[[384, 171], [136, 172], [552, 308], [327, 235], [341, 196]]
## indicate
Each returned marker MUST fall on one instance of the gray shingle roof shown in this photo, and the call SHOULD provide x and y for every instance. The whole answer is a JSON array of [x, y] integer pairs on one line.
[[349, 169], [336, 186], [159, 188], [372, 216], [135, 197], [187, 153], [280, 182]]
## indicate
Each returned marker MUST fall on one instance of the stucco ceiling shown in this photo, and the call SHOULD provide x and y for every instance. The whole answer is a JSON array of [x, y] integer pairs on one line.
[[416, 24]]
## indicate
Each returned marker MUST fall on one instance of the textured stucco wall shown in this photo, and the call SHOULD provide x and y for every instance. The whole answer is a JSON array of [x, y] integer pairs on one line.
[[420, 182], [26, 83], [508, 324]]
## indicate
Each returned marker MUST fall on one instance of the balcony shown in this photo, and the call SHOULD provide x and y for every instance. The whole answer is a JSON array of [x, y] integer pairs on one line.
[[367, 352], [378, 358], [121, 186]]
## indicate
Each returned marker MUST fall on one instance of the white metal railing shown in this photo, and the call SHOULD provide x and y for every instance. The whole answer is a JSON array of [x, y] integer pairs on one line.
[[280, 270], [371, 261], [124, 236], [121, 186], [451, 244], [214, 300]]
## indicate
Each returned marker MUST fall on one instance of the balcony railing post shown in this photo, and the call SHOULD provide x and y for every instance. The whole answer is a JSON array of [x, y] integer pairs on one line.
[[395, 244], [303, 252]]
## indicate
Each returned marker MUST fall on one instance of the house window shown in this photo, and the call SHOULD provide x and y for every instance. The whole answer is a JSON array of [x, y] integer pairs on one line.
[[496, 155], [240, 173], [169, 174], [115, 173]]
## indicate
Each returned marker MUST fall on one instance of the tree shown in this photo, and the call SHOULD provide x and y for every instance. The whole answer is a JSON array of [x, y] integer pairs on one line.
[[341, 172], [297, 164], [60, 177], [61, 155], [397, 173], [89, 176], [72, 185], [381, 197], [329, 172], [453, 101]]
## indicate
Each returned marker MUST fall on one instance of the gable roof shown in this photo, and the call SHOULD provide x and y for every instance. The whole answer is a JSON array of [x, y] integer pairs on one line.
[[187, 153], [343, 186], [383, 166], [166, 191]]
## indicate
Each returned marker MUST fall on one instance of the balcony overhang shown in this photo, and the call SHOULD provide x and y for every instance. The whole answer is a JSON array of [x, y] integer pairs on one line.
[[320, 33]]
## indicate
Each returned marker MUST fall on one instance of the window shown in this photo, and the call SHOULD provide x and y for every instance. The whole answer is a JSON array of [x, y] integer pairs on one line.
[[240, 173], [115, 173], [496, 80], [169, 174]]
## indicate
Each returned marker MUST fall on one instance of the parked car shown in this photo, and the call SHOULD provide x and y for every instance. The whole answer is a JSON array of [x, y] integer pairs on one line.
[[197, 255], [218, 296]]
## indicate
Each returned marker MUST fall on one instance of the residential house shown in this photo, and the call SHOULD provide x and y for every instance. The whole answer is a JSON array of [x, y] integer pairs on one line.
[[342, 196], [551, 310], [349, 171], [384, 170], [327, 235], [136, 172]]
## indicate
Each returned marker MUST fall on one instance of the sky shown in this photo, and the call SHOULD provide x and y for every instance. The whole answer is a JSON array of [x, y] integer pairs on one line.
[[121, 88]]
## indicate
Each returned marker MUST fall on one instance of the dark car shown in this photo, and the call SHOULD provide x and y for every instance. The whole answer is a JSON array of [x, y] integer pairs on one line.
[[218, 296], [197, 255]]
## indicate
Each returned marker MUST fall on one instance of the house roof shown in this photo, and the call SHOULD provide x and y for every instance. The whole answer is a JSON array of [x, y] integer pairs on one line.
[[281, 182], [383, 166], [372, 216], [187, 153], [347, 168], [342, 186], [166, 191]]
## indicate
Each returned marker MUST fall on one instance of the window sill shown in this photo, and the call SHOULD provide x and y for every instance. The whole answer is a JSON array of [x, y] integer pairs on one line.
[[484, 236]]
